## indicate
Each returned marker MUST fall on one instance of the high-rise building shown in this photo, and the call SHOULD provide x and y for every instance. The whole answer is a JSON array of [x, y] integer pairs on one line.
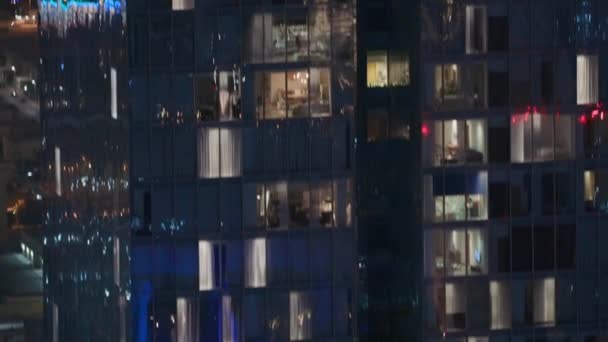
[[512, 169], [242, 165], [84, 115], [324, 170], [388, 171]]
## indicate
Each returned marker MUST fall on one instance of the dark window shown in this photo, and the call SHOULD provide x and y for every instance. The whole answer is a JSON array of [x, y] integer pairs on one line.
[[160, 40], [546, 82], [498, 146], [498, 88], [499, 200], [503, 250], [543, 248], [522, 249], [498, 33], [521, 195], [547, 193], [566, 246], [147, 211]]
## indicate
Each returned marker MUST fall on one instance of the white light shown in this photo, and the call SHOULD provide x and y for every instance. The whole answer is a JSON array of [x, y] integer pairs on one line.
[[114, 93], [25, 87], [58, 171], [29, 173], [38, 197], [13, 68]]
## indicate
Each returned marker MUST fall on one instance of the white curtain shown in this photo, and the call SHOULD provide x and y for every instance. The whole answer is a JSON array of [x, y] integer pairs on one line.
[[208, 153], [205, 265], [230, 146], [229, 320], [544, 301], [225, 98], [219, 152], [179, 5], [475, 29], [586, 79], [187, 320], [255, 258], [300, 316]]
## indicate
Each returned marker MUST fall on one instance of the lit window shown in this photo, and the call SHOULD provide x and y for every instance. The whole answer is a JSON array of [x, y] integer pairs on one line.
[[458, 87], [57, 171], [377, 69], [113, 93], [455, 306], [210, 257], [300, 316], [187, 319], [476, 23], [180, 5], [544, 301], [55, 320], [320, 92], [533, 137], [456, 197], [255, 258], [218, 96], [465, 252], [586, 79], [500, 305], [456, 142], [399, 69], [219, 152], [116, 261], [229, 319]]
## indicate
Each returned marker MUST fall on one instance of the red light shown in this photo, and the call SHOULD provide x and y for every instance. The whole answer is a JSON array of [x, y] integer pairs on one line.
[[582, 119], [425, 130], [595, 113]]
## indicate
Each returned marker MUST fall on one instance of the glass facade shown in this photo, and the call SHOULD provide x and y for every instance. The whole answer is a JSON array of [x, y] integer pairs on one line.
[[84, 114], [242, 152], [512, 170]]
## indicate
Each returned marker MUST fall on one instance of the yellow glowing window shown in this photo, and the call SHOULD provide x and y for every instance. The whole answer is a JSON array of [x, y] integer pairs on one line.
[[377, 69]]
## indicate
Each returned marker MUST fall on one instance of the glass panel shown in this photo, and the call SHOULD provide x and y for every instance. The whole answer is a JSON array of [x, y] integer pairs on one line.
[[300, 316], [299, 204], [586, 79], [399, 68], [319, 33], [456, 253], [255, 261], [377, 69], [544, 302], [276, 205], [434, 253], [500, 305], [455, 306], [320, 92], [477, 251], [322, 213], [205, 92], [297, 93], [296, 41], [275, 105]]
